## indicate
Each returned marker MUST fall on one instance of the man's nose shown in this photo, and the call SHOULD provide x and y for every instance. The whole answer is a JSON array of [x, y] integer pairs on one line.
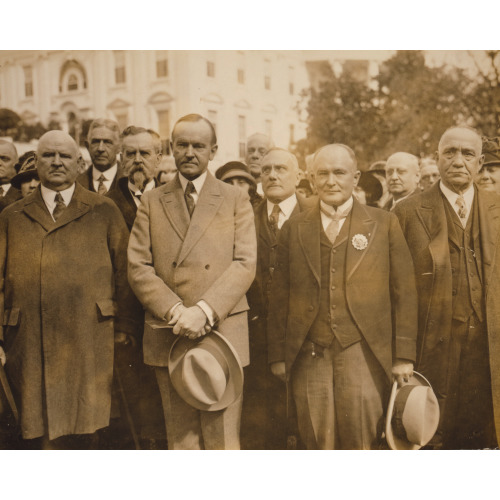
[[190, 150], [138, 157], [272, 173], [331, 180], [57, 159], [393, 175], [100, 147], [458, 159]]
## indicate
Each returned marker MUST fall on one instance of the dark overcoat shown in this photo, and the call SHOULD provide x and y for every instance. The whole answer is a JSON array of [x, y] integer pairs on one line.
[[379, 286], [63, 290], [423, 219]]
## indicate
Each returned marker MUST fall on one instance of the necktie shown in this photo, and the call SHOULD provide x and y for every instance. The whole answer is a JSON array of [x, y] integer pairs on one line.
[[101, 188], [462, 209], [188, 196], [274, 218], [332, 230], [60, 206]]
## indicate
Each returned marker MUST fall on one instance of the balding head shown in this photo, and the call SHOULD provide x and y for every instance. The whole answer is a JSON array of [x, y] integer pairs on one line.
[[8, 160], [57, 160], [464, 131], [336, 173], [257, 146], [402, 173]]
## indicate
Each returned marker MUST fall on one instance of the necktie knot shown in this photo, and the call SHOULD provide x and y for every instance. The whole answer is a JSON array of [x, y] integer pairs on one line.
[[333, 228]]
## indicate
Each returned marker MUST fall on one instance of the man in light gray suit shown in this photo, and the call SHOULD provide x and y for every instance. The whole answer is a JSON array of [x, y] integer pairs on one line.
[[192, 257]]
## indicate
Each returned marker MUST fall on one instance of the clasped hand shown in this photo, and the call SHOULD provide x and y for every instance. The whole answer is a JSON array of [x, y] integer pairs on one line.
[[190, 322]]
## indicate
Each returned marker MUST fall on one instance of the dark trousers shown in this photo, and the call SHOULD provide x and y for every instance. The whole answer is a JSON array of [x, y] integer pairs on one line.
[[467, 409], [263, 419], [339, 395]]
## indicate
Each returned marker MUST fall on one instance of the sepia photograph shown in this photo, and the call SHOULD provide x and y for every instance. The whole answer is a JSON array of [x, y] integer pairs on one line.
[[286, 250]]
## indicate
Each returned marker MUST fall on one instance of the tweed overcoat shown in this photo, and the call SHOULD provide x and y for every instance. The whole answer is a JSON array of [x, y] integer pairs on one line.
[[379, 286], [210, 257], [423, 219], [63, 290]]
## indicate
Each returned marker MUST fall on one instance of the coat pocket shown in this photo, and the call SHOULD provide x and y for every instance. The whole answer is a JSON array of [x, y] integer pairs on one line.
[[106, 309], [11, 316]]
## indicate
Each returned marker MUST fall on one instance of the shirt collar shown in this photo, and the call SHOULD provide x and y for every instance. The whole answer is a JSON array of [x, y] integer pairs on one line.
[[6, 186], [329, 210], [49, 195], [451, 196], [286, 206], [137, 192], [198, 182], [108, 174]]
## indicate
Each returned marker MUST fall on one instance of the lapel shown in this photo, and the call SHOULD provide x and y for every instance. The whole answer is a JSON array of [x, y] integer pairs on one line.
[[36, 209], [209, 201], [175, 207], [489, 226], [129, 207], [309, 231], [264, 233], [361, 224]]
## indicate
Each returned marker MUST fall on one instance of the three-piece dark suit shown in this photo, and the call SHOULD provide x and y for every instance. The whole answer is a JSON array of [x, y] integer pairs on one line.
[[457, 274], [339, 315]]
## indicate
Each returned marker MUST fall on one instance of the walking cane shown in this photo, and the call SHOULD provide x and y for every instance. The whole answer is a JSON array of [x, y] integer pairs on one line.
[[130, 420], [8, 393]]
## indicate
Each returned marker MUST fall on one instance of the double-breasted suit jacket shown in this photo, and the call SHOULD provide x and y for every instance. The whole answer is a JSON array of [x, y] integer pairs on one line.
[[424, 224], [379, 286], [63, 293], [210, 257]]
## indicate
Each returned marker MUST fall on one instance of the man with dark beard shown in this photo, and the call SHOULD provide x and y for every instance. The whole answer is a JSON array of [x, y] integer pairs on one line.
[[140, 156]]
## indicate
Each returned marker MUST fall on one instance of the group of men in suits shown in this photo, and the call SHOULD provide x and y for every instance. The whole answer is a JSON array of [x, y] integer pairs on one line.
[[342, 298]]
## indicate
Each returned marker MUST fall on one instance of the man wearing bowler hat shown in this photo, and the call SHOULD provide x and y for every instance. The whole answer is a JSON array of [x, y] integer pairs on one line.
[[342, 310], [453, 233], [192, 255]]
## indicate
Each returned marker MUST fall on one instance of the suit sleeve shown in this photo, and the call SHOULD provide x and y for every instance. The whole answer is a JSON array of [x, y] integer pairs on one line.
[[3, 262], [279, 299], [149, 288], [234, 282], [403, 294]]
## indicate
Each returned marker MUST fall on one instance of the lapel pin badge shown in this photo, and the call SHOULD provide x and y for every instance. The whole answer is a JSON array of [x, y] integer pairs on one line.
[[359, 241]]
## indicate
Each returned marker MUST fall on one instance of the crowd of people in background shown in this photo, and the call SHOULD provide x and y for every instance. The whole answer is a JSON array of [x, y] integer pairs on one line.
[[148, 304]]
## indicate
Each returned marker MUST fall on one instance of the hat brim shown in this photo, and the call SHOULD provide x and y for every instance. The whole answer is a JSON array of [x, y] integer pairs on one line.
[[393, 441], [231, 174], [234, 386], [19, 179]]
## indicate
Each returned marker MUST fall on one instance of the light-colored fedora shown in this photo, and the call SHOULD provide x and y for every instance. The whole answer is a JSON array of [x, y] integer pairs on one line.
[[206, 372], [412, 415]]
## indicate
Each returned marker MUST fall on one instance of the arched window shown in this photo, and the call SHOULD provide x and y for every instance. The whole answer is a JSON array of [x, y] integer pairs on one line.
[[72, 82]]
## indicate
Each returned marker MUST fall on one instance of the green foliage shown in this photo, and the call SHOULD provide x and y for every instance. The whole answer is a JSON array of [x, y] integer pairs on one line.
[[406, 108]]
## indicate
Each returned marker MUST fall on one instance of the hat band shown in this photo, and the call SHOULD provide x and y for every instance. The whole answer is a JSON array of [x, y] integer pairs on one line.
[[397, 415]]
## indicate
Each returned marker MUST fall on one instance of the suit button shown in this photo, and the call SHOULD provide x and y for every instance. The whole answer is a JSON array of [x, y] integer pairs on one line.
[[472, 275], [470, 260], [442, 339], [207, 266], [334, 306], [333, 270], [333, 287], [452, 269], [334, 326], [310, 308], [431, 322], [334, 251], [174, 264], [453, 292]]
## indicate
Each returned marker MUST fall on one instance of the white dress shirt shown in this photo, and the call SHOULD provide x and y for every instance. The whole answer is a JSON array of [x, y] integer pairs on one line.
[[109, 175], [325, 219], [49, 197], [286, 208], [137, 193], [5, 188], [451, 196], [198, 185]]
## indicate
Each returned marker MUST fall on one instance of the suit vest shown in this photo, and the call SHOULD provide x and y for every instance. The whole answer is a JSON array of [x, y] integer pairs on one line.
[[334, 319], [466, 267]]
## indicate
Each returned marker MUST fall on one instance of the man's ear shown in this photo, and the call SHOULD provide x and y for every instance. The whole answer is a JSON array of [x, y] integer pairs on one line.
[[213, 150]]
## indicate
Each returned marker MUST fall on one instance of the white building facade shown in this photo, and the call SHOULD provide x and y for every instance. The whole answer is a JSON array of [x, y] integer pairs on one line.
[[241, 92]]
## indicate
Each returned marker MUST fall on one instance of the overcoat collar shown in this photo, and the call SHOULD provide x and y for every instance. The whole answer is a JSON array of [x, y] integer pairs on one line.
[[191, 230], [309, 237], [35, 208]]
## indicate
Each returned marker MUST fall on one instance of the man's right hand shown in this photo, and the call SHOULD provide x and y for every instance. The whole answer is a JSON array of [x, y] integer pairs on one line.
[[3, 357], [278, 370]]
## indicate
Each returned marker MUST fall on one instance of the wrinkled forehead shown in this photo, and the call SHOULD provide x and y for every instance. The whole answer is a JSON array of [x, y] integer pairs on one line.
[[458, 138], [8, 149], [138, 141], [259, 142], [279, 158], [402, 160], [334, 157], [59, 144]]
